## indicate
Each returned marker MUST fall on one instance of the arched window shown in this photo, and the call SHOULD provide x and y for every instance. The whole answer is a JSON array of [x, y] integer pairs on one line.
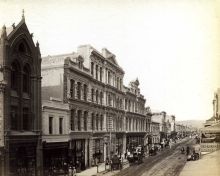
[[78, 90], [85, 120], [92, 95], [26, 119], [101, 123], [97, 122], [21, 48], [72, 88], [26, 79], [101, 74], [92, 68], [15, 82], [96, 71], [101, 98], [97, 96], [85, 92], [14, 117], [92, 121]]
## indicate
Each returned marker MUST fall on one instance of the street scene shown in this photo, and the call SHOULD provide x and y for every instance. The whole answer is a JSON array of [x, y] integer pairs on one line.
[[113, 88]]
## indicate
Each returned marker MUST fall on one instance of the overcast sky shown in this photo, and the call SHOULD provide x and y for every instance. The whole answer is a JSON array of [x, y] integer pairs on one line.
[[172, 46]]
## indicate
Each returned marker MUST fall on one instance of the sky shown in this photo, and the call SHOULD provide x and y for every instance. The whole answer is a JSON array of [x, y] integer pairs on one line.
[[171, 46]]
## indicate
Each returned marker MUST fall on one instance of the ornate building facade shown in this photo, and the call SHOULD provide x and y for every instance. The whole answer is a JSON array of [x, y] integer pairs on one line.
[[105, 117], [20, 94]]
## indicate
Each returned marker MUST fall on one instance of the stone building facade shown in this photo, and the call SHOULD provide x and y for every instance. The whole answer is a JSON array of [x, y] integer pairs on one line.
[[105, 117], [55, 134], [155, 132], [167, 124], [20, 97]]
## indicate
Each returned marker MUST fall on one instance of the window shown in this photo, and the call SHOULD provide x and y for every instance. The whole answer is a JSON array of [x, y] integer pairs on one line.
[[92, 95], [92, 68], [15, 77], [79, 120], [50, 125], [97, 96], [60, 125], [109, 100], [21, 48], [101, 74], [96, 71], [72, 120], [92, 121], [117, 83], [101, 122], [72, 88], [26, 79], [109, 77], [101, 97], [97, 122], [26, 119], [14, 117], [78, 90], [85, 120], [85, 92]]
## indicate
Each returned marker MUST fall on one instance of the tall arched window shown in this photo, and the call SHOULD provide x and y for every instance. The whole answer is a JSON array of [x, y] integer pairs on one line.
[[92, 95], [101, 98], [26, 79], [96, 71], [72, 88], [97, 96], [15, 71], [92, 121], [85, 92]]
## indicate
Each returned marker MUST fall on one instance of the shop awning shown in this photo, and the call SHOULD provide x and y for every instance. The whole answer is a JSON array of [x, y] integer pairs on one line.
[[211, 129]]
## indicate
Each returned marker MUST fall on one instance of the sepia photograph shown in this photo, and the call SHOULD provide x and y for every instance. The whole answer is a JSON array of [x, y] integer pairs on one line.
[[109, 88]]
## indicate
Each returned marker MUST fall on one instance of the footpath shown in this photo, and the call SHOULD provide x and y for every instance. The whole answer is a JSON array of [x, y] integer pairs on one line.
[[105, 170], [208, 165], [101, 170]]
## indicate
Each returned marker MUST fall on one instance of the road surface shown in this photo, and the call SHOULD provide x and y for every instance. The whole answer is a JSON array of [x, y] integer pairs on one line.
[[168, 162]]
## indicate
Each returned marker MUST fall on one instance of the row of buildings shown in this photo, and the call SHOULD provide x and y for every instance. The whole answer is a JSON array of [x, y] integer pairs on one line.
[[68, 109]]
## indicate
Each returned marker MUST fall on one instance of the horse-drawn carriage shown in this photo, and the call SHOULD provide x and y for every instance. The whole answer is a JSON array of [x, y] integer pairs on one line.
[[116, 163], [194, 153], [136, 155]]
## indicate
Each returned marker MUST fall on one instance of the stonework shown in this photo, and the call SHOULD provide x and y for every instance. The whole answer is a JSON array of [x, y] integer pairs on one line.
[[20, 97], [105, 116]]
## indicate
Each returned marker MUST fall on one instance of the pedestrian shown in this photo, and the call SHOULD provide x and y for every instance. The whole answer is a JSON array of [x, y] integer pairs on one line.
[[74, 171], [187, 150], [70, 171]]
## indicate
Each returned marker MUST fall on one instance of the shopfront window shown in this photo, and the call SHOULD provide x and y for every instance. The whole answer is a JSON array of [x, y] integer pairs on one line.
[[60, 125]]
